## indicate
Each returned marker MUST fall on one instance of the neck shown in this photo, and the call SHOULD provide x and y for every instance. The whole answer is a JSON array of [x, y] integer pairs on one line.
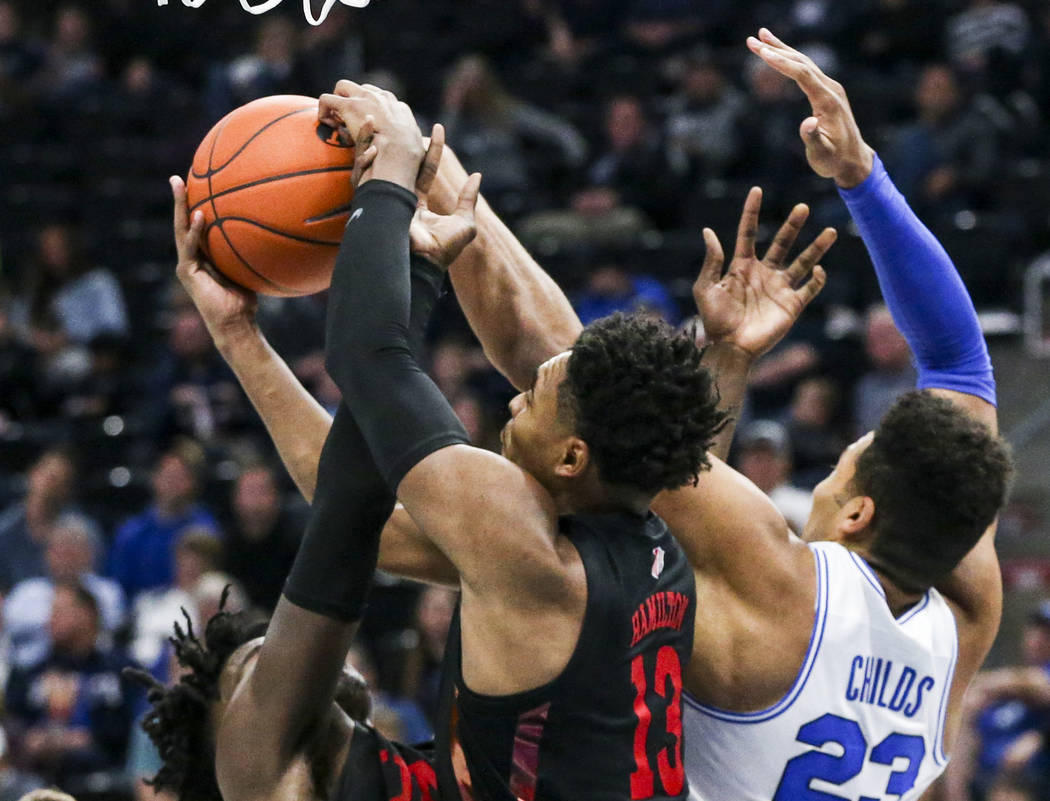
[[899, 598], [596, 497], [170, 509]]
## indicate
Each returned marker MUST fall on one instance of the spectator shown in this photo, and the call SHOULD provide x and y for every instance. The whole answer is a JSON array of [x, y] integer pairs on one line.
[[73, 708], [772, 142], [989, 35], [394, 717], [492, 130], [1007, 788], [72, 64], [142, 556], [814, 432], [14, 784], [765, 458], [262, 537], [891, 373], [18, 393], [20, 57], [24, 527], [944, 160], [193, 382], [197, 552], [627, 188], [1009, 712], [611, 288], [422, 678], [71, 556], [268, 70], [67, 303], [705, 120]]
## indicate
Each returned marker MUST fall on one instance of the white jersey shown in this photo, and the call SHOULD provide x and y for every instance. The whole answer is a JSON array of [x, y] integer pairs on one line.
[[865, 718]]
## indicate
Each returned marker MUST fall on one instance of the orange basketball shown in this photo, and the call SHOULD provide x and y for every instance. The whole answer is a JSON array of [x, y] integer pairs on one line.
[[274, 186]]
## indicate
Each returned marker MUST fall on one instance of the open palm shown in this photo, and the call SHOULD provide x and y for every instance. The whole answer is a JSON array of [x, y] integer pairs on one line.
[[757, 301]]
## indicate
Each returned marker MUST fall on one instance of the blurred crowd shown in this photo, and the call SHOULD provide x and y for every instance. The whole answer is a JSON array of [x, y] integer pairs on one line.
[[136, 482]]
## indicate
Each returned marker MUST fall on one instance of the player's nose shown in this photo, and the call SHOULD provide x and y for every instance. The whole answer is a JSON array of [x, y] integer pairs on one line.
[[516, 404]]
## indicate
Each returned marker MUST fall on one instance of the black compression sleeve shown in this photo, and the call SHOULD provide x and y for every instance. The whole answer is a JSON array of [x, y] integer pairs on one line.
[[333, 569], [402, 414], [332, 572]]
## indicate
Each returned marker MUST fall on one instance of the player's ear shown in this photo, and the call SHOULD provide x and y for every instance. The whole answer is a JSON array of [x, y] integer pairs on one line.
[[855, 517], [575, 457]]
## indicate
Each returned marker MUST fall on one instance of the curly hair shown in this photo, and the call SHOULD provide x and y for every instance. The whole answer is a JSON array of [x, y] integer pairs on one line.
[[938, 478], [637, 394], [179, 722]]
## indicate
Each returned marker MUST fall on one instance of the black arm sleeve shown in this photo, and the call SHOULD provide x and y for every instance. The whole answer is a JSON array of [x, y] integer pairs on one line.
[[402, 414], [332, 572]]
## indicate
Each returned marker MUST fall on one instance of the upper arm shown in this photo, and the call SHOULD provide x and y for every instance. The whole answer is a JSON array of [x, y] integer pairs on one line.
[[730, 529], [975, 587], [492, 520], [404, 550]]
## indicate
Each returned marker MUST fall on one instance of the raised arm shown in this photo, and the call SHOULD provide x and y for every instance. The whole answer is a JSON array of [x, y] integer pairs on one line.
[[921, 287], [493, 521], [727, 525], [517, 311], [297, 424]]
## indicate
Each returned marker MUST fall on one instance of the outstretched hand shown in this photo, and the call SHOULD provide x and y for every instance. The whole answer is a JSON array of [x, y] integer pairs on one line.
[[757, 301], [227, 309], [834, 145]]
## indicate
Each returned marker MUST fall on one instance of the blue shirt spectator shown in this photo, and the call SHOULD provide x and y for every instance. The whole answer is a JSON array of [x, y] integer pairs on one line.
[[611, 289], [72, 709], [143, 552]]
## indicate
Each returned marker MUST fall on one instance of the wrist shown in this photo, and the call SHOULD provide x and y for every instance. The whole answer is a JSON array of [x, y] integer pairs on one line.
[[856, 171], [233, 337], [723, 354]]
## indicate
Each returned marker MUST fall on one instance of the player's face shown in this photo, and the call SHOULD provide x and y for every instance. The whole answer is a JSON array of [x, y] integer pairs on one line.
[[534, 435], [831, 494]]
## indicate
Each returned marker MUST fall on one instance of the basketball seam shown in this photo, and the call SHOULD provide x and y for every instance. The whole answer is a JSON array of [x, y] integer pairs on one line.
[[268, 179], [273, 230], [240, 150], [218, 221]]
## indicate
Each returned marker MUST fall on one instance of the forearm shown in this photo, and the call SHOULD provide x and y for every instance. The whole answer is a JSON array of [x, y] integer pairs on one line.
[[922, 289], [517, 311], [731, 367], [401, 412], [295, 421]]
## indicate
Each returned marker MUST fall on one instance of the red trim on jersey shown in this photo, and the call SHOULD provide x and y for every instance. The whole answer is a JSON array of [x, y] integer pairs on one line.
[[525, 759]]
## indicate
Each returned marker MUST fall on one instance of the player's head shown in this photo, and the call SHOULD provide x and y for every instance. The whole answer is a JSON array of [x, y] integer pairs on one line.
[[629, 410], [915, 495], [183, 718]]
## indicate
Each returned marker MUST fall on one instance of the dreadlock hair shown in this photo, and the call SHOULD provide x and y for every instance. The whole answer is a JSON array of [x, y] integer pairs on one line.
[[637, 394], [179, 721]]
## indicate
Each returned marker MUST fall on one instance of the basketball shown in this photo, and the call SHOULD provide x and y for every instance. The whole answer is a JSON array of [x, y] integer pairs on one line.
[[274, 186]]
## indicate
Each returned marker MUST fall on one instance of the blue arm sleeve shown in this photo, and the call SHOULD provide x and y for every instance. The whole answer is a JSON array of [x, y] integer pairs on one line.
[[922, 289]]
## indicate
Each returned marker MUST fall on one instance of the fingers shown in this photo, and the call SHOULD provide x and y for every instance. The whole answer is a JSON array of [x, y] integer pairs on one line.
[[786, 236], [804, 264], [812, 287], [191, 244], [748, 228], [178, 193], [791, 63], [711, 269], [431, 161], [468, 197], [345, 88]]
